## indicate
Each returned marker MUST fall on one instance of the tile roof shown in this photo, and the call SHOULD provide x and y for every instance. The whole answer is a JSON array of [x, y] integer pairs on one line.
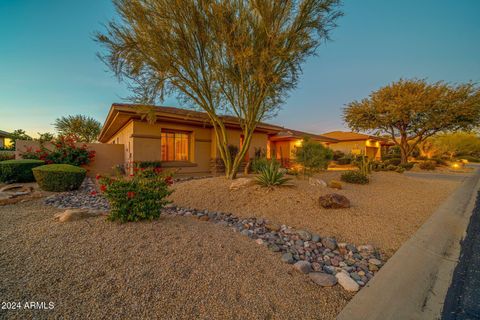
[[350, 136]]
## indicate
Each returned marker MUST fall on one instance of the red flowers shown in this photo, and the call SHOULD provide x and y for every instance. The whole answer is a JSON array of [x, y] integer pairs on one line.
[[130, 194], [93, 193], [98, 176], [169, 180], [157, 170], [103, 188]]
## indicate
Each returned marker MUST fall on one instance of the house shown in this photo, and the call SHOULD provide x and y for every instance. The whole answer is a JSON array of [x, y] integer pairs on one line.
[[4, 139], [357, 143], [179, 138], [283, 144]]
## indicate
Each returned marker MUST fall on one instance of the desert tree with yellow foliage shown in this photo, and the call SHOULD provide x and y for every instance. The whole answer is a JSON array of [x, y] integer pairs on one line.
[[236, 57], [411, 111]]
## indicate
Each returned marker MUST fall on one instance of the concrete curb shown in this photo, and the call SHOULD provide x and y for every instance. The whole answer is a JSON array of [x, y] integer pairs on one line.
[[414, 282]]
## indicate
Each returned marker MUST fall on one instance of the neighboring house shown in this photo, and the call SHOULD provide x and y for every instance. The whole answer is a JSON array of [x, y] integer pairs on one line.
[[357, 143], [179, 138], [284, 143], [5, 142]]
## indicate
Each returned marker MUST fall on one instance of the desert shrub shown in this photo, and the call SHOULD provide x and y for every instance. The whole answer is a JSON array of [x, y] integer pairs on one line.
[[18, 170], [400, 169], [470, 158], [391, 167], [148, 164], [378, 166], [337, 154], [354, 177], [345, 160], [428, 165], [259, 164], [272, 176], [312, 156], [392, 161], [138, 197], [406, 166], [364, 164], [6, 156], [59, 177], [66, 152], [422, 158], [439, 161]]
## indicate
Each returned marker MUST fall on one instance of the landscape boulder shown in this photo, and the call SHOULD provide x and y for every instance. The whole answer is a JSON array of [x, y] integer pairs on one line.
[[334, 201], [303, 266], [317, 182], [77, 214], [241, 183], [346, 282], [323, 279]]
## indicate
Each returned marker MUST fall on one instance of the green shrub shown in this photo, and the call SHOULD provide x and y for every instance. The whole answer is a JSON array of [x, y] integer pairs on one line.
[[428, 165], [137, 198], [313, 156], [364, 164], [393, 161], [337, 154], [59, 177], [354, 177], [344, 160], [271, 176], [18, 170], [406, 166]]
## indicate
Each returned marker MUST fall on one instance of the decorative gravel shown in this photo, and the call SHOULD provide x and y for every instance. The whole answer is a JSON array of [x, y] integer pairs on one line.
[[385, 213], [171, 268]]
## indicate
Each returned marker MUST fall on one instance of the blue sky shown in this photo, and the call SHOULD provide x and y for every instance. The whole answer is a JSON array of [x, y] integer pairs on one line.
[[49, 68]]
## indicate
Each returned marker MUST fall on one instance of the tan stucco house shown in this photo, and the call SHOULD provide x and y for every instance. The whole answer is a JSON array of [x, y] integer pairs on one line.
[[357, 143], [185, 139], [179, 138]]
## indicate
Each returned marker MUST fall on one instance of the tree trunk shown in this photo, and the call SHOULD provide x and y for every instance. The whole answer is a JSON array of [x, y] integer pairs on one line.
[[404, 151]]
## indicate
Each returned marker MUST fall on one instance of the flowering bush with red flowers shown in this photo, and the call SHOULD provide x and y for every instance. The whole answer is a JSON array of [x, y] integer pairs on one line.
[[140, 196], [66, 151]]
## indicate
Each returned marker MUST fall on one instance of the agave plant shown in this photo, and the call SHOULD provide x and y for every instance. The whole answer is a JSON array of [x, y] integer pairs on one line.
[[271, 175]]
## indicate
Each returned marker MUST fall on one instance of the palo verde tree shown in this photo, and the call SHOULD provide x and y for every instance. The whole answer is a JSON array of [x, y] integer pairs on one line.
[[411, 111], [83, 128], [235, 57]]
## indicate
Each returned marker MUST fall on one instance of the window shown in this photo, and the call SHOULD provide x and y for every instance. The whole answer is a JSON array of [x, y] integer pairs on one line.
[[175, 146]]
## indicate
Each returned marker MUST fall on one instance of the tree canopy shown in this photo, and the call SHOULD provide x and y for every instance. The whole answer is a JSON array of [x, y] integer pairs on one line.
[[233, 57], [83, 128], [411, 111]]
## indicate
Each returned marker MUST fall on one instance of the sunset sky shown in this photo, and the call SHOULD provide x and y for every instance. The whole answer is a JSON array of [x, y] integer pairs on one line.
[[49, 68]]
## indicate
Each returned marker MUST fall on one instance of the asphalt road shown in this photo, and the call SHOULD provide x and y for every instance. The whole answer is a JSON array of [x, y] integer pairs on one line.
[[463, 297]]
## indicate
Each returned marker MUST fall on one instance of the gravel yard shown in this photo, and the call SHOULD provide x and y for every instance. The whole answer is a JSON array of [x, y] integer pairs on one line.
[[175, 267], [384, 213]]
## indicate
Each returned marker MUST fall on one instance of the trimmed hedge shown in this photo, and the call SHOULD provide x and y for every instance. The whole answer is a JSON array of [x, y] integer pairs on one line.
[[59, 177], [18, 170]]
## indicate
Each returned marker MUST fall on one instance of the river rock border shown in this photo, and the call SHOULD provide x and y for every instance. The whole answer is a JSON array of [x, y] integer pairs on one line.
[[323, 258]]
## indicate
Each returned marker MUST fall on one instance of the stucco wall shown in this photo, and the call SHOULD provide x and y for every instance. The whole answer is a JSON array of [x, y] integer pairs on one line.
[[123, 137], [371, 149], [107, 156], [147, 145]]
